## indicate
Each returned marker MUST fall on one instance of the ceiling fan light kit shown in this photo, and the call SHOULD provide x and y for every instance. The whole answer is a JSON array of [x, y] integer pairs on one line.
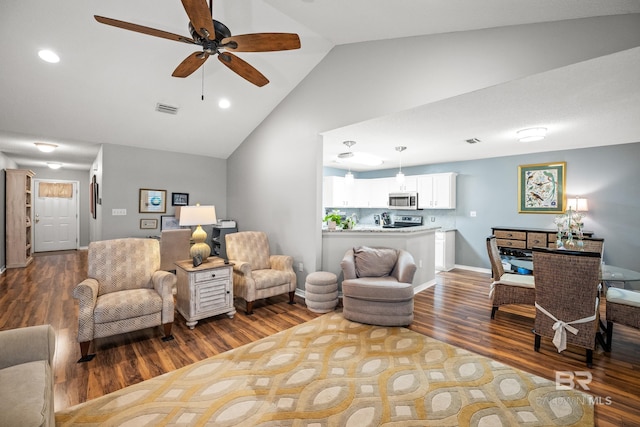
[[215, 39]]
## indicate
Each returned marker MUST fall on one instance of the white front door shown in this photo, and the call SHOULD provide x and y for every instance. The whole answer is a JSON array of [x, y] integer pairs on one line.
[[55, 215]]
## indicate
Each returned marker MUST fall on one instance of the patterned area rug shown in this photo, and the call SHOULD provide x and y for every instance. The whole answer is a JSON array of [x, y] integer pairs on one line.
[[333, 372]]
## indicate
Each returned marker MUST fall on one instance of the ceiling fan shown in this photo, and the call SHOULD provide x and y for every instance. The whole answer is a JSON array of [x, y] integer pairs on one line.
[[215, 39]]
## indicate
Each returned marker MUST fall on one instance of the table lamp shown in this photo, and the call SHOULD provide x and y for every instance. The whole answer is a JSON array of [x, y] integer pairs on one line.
[[198, 215]]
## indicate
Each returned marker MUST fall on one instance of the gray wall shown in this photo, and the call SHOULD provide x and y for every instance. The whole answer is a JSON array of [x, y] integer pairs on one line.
[[607, 176], [125, 170], [275, 176]]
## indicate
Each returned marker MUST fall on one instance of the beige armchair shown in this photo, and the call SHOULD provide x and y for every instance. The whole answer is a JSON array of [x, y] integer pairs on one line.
[[378, 286], [125, 291], [256, 273]]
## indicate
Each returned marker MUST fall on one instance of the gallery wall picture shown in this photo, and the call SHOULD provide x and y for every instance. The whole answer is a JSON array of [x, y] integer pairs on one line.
[[152, 201], [180, 199]]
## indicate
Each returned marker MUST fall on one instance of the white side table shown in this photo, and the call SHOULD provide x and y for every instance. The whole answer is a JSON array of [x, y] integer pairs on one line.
[[205, 290]]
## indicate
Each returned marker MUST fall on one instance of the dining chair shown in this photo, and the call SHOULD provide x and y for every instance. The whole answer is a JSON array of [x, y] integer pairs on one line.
[[507, 288], [567, 299], [623, 307]]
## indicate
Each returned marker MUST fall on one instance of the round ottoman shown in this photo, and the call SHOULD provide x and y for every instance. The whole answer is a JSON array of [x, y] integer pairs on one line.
[[321, 292]]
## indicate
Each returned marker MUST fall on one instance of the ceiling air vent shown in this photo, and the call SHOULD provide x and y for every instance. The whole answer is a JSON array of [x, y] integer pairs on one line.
[[164, 108], [472, 140]]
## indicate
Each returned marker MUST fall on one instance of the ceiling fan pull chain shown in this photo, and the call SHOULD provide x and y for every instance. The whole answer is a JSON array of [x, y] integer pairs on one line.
[[202, 90]]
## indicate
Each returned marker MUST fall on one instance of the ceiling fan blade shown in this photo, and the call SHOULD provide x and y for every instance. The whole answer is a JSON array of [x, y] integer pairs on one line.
[[144, 30], [243, 69], [190, 64], [200, 17], [262, 42]]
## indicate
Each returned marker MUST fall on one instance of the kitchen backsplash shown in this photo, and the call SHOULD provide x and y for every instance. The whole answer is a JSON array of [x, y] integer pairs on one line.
[[445, 218]]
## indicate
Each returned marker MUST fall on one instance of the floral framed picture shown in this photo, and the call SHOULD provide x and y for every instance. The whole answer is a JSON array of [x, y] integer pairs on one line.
[[541, 188], [152, 201]]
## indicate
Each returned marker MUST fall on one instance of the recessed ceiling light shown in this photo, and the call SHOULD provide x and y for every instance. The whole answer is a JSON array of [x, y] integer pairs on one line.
[[531, 134], [45, 147], [54, 165], [224, 103], [49, 56]]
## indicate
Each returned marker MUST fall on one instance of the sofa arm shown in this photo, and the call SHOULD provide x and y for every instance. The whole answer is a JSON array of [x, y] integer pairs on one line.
[[348, 265], [405, 267], [281, 262], [28, 344], [87, 294]]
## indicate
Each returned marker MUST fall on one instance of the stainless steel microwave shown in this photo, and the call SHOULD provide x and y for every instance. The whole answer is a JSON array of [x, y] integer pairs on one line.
[[407, 200]]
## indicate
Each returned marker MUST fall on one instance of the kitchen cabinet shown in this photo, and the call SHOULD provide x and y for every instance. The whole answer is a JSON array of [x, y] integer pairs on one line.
[[18, 202], [437, 191], [445, 250], [335, 192], [410, 184], [205, 290]]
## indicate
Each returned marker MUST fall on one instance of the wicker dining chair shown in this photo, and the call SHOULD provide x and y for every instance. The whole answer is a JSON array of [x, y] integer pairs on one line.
[[623, 307], [507, 288], [567, 299]]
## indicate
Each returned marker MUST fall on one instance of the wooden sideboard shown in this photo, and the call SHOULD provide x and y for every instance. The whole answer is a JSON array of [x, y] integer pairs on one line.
[[518, 241]]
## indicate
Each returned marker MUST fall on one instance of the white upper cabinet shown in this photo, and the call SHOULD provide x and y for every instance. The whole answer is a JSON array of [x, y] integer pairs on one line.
[[437, 191], [336, 193], [410, 184]]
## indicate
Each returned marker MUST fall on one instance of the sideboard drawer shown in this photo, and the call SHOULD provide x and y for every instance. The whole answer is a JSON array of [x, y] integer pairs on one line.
[[536, 239], [515, 235], [505, 243]]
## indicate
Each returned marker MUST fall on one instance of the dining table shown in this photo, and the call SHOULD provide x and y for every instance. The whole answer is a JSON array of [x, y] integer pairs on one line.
[[608, 273]]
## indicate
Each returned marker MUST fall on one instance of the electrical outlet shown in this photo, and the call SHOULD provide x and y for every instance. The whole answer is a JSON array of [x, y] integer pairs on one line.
[[115, 212], [300, 267]]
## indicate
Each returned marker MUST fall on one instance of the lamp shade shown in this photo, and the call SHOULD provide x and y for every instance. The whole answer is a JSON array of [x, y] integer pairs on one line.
[[198, 215], [578, 204]]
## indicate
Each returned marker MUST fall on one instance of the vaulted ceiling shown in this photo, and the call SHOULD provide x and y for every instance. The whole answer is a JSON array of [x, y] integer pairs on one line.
[[108, 82]]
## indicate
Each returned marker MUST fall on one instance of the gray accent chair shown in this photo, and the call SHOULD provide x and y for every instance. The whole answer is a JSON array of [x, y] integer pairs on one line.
[[26, 376], [378, 286]]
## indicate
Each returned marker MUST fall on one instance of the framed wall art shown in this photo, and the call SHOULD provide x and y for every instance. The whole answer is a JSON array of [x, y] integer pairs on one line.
[[541, 188], [179, 199], [152, 201], [149, 224], [169, 222]]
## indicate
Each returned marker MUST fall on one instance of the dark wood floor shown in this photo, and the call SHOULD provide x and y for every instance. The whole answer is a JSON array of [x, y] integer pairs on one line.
[[456, 310]]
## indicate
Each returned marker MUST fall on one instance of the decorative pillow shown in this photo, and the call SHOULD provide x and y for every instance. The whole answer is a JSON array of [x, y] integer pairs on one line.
[[374, 262]]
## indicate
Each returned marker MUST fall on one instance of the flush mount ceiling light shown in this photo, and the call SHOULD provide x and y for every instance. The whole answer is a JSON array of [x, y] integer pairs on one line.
[[54, 165], [531, 134], [357, 158], [49, 56], [45, 147], [224, 103]]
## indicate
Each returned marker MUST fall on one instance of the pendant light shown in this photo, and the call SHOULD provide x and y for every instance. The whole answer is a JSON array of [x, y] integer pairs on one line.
[[400, 175], [349, 178]]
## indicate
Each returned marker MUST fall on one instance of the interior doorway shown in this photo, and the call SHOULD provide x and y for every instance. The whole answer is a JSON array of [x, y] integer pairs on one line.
[[56, 215]]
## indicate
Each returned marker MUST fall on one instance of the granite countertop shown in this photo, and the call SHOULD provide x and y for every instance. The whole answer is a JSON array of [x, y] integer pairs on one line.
[[378, 229]]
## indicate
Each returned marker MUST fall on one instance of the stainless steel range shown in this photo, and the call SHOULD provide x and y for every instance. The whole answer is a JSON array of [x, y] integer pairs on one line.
[[403, 221]]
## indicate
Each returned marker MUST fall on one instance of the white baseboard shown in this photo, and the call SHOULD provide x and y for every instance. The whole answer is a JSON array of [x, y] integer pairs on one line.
[[476, 269]]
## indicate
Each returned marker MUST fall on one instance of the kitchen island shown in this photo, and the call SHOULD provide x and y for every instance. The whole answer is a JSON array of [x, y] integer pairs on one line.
[[418, 241]]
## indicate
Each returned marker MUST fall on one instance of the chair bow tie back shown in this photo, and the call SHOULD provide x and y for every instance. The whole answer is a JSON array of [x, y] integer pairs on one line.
[[561, 327]]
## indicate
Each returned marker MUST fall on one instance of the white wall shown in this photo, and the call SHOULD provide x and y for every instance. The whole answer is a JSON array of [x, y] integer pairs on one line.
[[274, 177]]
